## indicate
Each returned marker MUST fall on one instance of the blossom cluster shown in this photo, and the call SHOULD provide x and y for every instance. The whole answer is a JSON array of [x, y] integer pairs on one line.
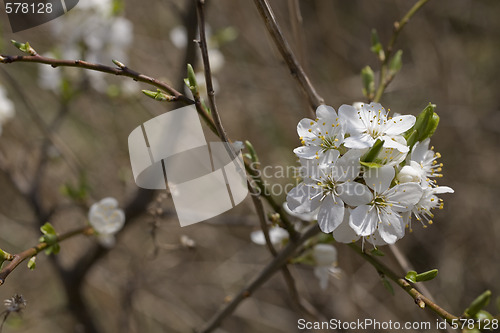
[[365, 173]]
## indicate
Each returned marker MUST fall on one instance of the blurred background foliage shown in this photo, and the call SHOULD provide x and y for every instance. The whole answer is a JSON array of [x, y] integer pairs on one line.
[[451, 57]]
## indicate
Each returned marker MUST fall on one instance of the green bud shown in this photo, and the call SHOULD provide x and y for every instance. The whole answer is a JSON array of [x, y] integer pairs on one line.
[[478, 304], [426, 123], [158, 95], [368, 81], [24, 47], [48, 229], [5, 255], [396, 63], [191, 77], [377, 47], [32, 263], [118, 64], [411, 276], [411, 139], [426, 276], [253, 154], [369, 157], [483, 315]]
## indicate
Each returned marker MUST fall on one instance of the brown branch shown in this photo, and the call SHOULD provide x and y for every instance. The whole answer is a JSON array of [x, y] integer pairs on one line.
[[22, 256], [385, 79], [419, 298], [286, 52], [119, 71], [256, 282]]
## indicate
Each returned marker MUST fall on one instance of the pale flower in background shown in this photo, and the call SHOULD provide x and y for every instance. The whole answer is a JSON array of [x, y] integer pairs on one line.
[[325, 258], [6, 108], [105, 216], [277, 236]]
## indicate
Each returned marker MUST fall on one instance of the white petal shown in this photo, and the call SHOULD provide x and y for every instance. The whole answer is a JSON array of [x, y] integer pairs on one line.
[[404, 196], [443, 189], [350, 117], [328, 157], [109, 202], [303, 198], [304, 126], [392, 142], [391, 229], [379, 179], [330, 214], [312, 216], [420, 150], [399, 125], [324, 254], [354, 194], [359, 141], [307, 152], [348, 167], [344, 233], [363, 220], [325, 111]]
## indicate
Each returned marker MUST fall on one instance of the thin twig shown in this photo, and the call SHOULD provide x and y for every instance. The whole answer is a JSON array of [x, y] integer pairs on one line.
[[296, 69], [263, 276], [119, 71], [384, 79], [420, 299], [22, 256]]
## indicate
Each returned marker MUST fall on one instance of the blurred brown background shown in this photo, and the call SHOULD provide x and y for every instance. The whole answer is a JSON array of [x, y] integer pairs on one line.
[[451, 58]]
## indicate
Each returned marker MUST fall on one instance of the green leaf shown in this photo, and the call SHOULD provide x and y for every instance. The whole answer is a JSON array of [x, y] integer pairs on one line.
[[377, 252], [478, 304], [426, 276], [388, 285], [158, 95], [372, 165], [396, 63], [376, 46], [483, 315], [32, 263], [372, 154], [48, 229], [368, 81], [426, 123], [191, 77], [24, 47], [411, 276], [251, 150]]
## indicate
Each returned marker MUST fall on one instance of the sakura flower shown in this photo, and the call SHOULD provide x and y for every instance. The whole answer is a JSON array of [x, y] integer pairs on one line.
[[382, 211], [428, 201], [370, 123], [327, 187], [321, 138], [311, 216], [424, 161], [105, 216], [276, 234], [325, 257]]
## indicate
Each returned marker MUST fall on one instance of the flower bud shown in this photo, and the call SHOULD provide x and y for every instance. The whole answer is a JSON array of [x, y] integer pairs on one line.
[[408, 174]]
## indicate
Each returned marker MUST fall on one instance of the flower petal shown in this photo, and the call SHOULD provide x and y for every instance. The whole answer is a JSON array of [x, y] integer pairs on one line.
[[330, 214], [344, 233], [307, 152], [348, 167], [325, 111], [354, 193], [399, 124], [360, 141], [303, 198], [391, 229], [379, 179], [350, 117], [403, 197], [363, 220], [420, 150], [305, 128]]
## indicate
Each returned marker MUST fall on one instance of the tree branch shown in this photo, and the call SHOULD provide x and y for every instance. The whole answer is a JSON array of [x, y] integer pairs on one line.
[[286, 52]]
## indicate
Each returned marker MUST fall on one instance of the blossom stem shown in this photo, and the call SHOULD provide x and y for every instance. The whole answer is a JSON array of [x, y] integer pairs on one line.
[[286, 52], [18, 258], [256, 282], [384, 78], [420, 299]]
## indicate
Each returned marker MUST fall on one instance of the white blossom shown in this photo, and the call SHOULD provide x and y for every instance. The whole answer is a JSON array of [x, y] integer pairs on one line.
[[7, 110], [105, 216], [370, 123], [325, 258], [276, 234]]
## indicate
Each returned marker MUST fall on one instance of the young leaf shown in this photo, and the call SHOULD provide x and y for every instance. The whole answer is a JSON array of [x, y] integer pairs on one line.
[[411, 276], [377, 47], [373, 152], [32, 263], [426, 276], [396, 63], [47, 229], [368, 81], [478, 304]]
